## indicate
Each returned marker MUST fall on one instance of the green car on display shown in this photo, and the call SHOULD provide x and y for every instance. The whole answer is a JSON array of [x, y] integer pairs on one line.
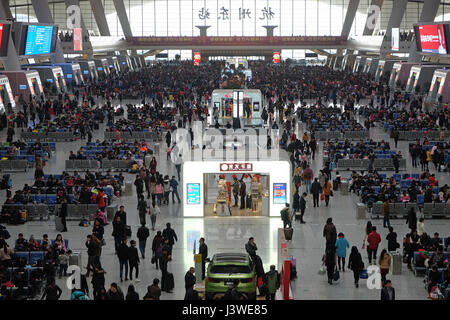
[[224, 268]]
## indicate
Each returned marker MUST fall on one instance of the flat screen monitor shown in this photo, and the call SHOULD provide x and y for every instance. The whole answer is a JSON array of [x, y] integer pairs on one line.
[[4, 39], [432, 38], [39, 40]]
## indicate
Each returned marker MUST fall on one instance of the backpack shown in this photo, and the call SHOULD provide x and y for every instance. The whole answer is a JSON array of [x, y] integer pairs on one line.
[[308, 174], [78, 295]]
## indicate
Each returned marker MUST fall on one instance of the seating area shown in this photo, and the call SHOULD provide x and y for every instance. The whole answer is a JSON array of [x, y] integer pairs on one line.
[[116, 165], [34, 211], [399, 210], [15, 165], [135, 135], [351, 135], [48, 136], [363, 164], [418, 135]]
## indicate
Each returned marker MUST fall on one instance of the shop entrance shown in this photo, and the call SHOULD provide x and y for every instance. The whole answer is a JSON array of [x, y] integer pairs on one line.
[[220, 200]]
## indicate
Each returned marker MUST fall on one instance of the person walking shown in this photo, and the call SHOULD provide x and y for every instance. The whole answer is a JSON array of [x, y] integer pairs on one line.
[[355, 264], [374, 240], [327, 191], [142, 209], [392, 240], [295, 203], [133, 258], [272, 281], [330, 262], [139, 183], [385, 212], [330, 233], [154, 212], [157, 247], [91, 252], [170, 235], [341, 250], [163, 262], [203, 250], [308, 177], [174, 186], [142, 234], [302, 206], [388, 292], [122, 254], [98, 281], [385, 263], [118, 232], [316, 189], [411, 219]]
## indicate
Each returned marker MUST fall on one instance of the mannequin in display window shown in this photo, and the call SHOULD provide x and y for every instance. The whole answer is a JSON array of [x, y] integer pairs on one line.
[[256, 190], [222, 195]]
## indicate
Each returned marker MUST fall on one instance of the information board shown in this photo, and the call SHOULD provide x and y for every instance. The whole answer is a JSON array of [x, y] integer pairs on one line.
[[39, 40], [279, 193], [193, 193]]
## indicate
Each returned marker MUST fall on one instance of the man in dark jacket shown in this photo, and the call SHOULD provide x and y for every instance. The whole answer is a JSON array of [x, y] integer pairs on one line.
[[92, 252], [302, 206], [139, 183], [329, 232], [203, 250], [163, 261], [118, 232], [189, 282], [133, 258], [242, 194], [251, 247], [316, 188], [114, 293], [170, 234], [123, 255], [122, 214], [63, 215], [388, 292], [143, 233]]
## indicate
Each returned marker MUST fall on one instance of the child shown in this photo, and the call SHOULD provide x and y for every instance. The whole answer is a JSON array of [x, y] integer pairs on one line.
[[341, 250], [64, 262]]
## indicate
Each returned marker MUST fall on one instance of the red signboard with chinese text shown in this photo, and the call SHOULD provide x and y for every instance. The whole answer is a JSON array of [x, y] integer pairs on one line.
[[77, 40], [232, 167], [276, 57], [197, 58]]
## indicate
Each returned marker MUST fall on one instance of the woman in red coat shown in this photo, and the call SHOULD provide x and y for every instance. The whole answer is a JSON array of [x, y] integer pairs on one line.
[[101, 200]]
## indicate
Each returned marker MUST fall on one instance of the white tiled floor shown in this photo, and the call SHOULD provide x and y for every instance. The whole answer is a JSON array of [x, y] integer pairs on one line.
[[231, 234]]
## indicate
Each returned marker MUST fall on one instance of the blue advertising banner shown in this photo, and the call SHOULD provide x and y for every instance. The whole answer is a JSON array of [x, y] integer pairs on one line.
[[193, 193], [279, 193]]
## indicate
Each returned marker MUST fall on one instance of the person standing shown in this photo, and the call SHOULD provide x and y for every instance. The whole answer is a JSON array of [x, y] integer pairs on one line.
[[52, 291], [142, 209], [143, 233], [133, 258], [139, 183], [302, 206], [316, 189], [163, 261], [118, 232], [388, 292], [272, 280], [63, 214], [295, 203], [91, 252], [385, 264], [189, 282], [374, 240], [174, 186], [341, 250], [385, 212], [170, 235], [203, 250], [235, 190], [392, 240], [286, 217], [242, 194], [157, 247], [330, 233], [122, 254], [355, 264]]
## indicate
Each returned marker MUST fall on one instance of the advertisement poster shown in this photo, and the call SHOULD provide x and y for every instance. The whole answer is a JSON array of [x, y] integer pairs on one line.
[[77, 40], [276, 57], [279, 193], [395, 39], [432, 38], [193, 193], [197, 58]]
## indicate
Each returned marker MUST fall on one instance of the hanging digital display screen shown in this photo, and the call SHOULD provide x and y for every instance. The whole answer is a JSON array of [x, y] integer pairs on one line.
[[279, 193], [39, 40], [4, 39]]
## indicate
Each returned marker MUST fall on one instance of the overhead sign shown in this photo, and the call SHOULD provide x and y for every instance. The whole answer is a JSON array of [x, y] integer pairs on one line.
[[197, 58], [395, 39], [77, 39], [233, 167]]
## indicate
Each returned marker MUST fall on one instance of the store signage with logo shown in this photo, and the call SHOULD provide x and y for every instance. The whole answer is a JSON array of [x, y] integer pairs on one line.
[[236, 167]]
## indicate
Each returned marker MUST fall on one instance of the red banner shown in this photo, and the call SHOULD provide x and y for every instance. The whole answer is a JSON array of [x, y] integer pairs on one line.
[[77, 40], [432, 38], [276, 57], [238, 41], [197, 58]]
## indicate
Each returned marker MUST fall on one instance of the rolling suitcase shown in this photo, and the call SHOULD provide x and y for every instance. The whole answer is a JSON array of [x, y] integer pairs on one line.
[[58, 224], [288, 233]]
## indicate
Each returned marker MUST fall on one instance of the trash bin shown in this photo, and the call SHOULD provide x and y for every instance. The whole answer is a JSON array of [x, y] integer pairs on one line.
[[360, 211], [128, 188], [396, 262], [110, 212], [344, 188], [75, 259]]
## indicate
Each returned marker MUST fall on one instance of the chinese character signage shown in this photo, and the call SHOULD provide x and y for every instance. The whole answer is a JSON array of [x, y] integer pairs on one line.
[[193, 193], [279, 193], [236, 167], [197, 58], [276, 57], [77, 40]]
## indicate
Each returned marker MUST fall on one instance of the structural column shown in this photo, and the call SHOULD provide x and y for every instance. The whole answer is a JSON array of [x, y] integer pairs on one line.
[[12, 61], [429, 11], [348, 22], [100, 18], [84, 30], [398, 10], [44, 15], [123, 18]]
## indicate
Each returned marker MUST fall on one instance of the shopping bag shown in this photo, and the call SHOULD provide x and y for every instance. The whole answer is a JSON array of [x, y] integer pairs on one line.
[[322, 270], [336, 275], [322, 197]]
